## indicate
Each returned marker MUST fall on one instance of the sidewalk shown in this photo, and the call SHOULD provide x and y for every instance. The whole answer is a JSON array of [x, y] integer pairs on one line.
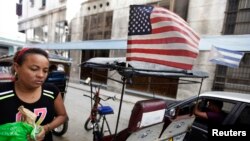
[[126, 97], [79, 107]]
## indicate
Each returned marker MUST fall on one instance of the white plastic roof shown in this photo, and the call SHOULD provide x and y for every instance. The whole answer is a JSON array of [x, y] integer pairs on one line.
[[231, 42]]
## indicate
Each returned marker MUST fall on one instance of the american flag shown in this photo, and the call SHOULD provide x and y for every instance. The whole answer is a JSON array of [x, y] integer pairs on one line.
[[160, 39]]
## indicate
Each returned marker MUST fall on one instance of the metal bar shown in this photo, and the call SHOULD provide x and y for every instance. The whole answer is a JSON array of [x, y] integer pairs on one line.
[[119, 112]]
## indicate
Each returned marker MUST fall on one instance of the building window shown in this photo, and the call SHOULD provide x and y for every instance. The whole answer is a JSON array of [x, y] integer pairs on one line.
[[19, 9], [233, 79], [96, 27], [42, 4], [237, 19], [32, 3], [38, 34], [61, 31]]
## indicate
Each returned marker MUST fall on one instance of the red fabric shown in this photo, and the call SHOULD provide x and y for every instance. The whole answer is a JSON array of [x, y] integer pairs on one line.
[[21, 52], [143, 107], [159, 37], [140, 107]]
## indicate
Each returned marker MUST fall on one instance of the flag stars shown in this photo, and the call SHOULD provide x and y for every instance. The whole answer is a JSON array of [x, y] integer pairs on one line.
[[140, 20]]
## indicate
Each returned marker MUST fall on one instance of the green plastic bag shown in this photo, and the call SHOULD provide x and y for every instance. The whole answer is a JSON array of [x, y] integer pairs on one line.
[[17, 131]]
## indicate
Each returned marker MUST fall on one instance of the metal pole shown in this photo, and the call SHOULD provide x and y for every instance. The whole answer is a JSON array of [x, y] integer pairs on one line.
[[119, 112], [200, 87], [91, 89]]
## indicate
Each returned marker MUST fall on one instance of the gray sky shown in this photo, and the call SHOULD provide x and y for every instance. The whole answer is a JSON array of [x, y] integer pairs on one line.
[[8, 16], [8, 24]]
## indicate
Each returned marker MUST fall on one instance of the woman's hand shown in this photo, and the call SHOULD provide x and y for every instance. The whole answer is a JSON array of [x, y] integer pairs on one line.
[[40, 136]]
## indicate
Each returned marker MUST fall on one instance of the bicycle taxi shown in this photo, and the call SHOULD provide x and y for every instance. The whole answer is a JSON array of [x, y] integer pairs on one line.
[[148, 120], [59, 75]]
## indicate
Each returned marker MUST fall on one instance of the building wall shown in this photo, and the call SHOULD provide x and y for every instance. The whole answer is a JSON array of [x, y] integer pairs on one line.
[[119, 26], [206, 18], [36, 16], [37, 9]]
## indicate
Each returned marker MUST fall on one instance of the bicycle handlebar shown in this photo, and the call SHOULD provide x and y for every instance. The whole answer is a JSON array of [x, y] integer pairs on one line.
[[110, 97]]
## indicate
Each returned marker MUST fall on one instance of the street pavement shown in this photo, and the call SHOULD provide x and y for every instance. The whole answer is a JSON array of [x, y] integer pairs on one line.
[[78, 109]]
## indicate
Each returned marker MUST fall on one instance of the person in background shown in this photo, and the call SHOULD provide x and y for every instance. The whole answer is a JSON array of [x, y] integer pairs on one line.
[[52, 67], [213, 111], [31, 67]]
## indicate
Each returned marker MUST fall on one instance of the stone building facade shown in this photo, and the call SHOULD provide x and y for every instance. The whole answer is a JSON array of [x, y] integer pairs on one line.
[[61, 21]]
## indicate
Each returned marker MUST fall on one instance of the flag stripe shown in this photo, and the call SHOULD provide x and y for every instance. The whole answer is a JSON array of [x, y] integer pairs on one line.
[[165, 13], [158, 36], [225, 63], [162, 41], [173, 28], [166, 35], [178, 59], [164, 52], [163, 35], [236, 55], [226, 57], [230, 51], [172, 46], [226, 60], [231, 58], [167, 25], [162, 62]]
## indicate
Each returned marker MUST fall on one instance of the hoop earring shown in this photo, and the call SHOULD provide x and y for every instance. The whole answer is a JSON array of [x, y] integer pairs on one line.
[[15, 75]]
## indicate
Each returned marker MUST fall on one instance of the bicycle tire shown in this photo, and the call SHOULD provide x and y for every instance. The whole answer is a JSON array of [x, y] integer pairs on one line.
[[88, 125], [62, 129]]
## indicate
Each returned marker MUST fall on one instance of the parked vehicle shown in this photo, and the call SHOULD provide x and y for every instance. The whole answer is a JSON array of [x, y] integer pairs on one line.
[[236, 107], [5, 71], [147, 121]]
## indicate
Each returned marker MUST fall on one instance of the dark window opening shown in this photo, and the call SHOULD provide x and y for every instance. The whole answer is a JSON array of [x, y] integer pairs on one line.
[[233, 79], [243, 119], [237, 19], [96, 27], [43, 3], [87, 72]]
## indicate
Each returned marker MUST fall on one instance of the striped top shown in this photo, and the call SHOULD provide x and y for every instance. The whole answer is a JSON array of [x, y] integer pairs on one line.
[[43, 108]]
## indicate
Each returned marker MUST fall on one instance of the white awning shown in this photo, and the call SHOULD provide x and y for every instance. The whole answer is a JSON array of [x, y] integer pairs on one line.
[[231, 42], [84, 45]]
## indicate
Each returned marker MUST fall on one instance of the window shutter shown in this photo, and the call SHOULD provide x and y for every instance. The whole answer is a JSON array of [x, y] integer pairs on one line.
[[19, 9]]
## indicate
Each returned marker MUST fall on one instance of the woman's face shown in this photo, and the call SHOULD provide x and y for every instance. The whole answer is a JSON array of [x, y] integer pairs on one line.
[[34, 70]]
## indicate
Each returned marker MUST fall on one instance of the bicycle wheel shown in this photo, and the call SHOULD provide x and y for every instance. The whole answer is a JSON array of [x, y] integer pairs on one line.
[[88, 125], [62, 129]]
